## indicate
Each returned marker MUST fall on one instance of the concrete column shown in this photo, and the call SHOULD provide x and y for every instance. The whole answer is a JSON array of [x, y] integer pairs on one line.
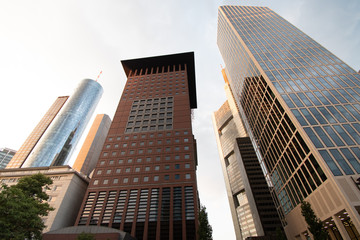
[[341, 228]]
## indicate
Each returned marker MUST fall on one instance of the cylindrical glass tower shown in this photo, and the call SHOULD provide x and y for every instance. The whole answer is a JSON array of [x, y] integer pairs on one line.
[[60, 139]]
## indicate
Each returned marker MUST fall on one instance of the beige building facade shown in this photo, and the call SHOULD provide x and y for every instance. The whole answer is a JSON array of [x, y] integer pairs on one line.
[[65, 194]]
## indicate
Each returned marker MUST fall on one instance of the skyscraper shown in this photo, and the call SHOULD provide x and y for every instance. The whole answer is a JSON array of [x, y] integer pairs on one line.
[[300, 105], [91, 148], [145, 180], [29, 144], [57, 143], [252, 208], [6, 154]]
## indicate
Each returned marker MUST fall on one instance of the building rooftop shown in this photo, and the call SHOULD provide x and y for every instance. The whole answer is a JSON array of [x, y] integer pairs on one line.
[[165, 60]]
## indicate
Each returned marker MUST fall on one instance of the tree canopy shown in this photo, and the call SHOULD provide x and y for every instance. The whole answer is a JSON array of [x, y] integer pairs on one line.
[[22, 206], [205, 229], [315, 225]]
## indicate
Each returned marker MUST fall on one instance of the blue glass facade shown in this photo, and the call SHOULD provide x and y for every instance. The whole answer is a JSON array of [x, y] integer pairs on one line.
[[60, 139], [300, 103]]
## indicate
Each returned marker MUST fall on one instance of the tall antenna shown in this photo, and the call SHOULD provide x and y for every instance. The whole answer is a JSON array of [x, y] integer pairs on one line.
[[98, 76]]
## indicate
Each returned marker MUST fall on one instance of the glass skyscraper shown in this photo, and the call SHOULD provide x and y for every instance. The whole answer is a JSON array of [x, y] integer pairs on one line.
[[301, 107], [6, 155], [56, 145], [31, 141]]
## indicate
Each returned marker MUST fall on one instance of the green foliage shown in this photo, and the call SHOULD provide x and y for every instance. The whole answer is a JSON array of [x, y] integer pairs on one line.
[[85, 236], [22, 206], [315, 225], [205, 229]]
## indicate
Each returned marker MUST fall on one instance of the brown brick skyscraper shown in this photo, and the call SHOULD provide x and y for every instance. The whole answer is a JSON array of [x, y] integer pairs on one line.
[[145, 180]]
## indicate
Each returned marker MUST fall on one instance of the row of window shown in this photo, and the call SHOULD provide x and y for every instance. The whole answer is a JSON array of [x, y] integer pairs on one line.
[[138, 169], [156, 178], [150, 143], [164, 71], [147, 159], [143, 151], [151, 135]]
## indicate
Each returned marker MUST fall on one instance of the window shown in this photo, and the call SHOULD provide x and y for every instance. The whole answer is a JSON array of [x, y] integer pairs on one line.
[[187, 156], [177, 157], [137, 169], [157, 168], [105, 154], [156, 178], [136, 179], [177, 166], [108, 146], [146, 179], [99, 172], [186, 147], [106, 181], [96, 182], [177, 176], [177, 148], [125, 145], [167, 157], [187, 176], [127, 170], [121, 161], [139, 160], [108, 171], [147, 169], [116, 180], [166, 177], [118, 170], [177, 140], [126, 180], [130, 160], [187, 165], [111, 162], [186, 140], [148, 159]]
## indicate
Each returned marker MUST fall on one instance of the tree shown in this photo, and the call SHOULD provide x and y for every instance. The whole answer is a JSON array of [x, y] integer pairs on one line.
[[315, 225], [22, 206], [205, 229]]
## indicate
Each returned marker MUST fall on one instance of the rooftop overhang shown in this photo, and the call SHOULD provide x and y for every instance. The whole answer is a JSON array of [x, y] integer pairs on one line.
[[166, 60]]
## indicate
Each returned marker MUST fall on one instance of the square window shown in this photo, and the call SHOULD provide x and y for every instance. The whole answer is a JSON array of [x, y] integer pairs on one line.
[[136, 179], [130, 160], [141, 151], [108, 146], [96, 182], [147, 169], [126, 180], [118, 170], [177, 148], [121, 161], [167, 149], [127, 170], [187, 176], [133, 144], [106, 181], [148, 159], [137, 169], [131, 152], [186, 147], [186, 140], [116, 180], [156, 178], [102, 163], [177, 140], [108, 171], [146, 179], [111, 162], [157, 168], [167, 167], [177, 166], [177, 157], [99, 172], [187, 156], [139, 160], [116, 145], [105, 154], [166, 177], [177, 176]]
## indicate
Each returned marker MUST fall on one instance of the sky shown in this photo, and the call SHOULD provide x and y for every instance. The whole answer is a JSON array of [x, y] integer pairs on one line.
[[48, 47]]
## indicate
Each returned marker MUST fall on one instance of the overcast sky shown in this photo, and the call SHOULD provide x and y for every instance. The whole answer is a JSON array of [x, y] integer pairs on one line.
[[47, 47]]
